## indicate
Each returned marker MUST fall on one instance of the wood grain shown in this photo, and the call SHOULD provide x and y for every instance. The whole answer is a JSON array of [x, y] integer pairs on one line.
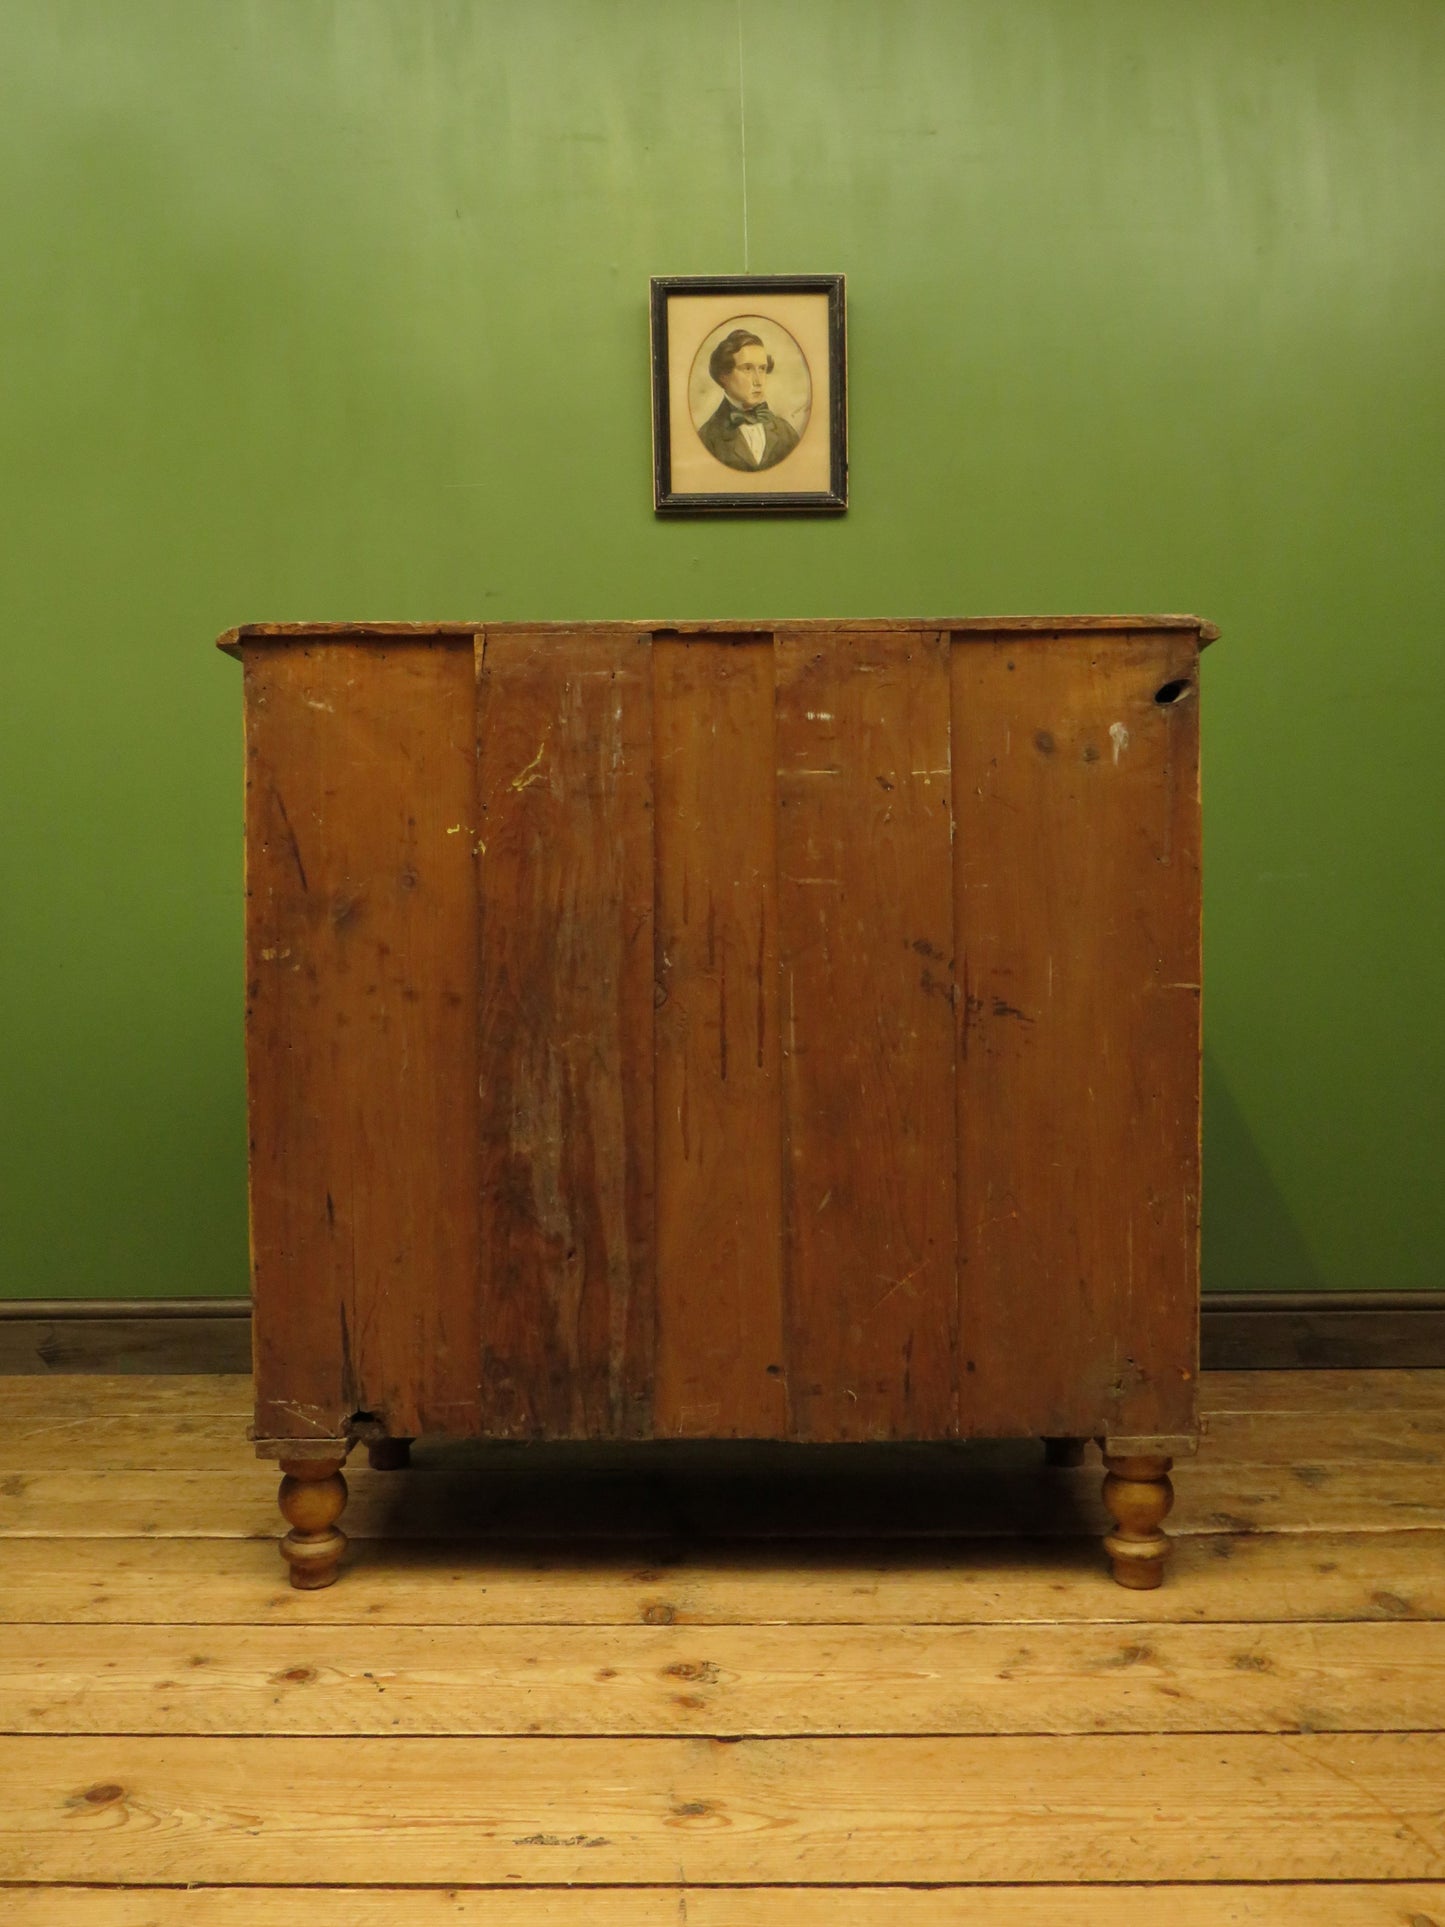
[[149, 1421], [1314, 1331], [1301, 1439], [723, 1094], [720, 1358], [1324, 1395], [865, 952], [1266, 1578], [1140, 1807], [1077, 935], [214, 1335], [232, 641], [749, 1680], [1296, 1626], [124, 1335], [762, 1495], [1401, 1904], [145, 1420], [361, 988], [564, 828]]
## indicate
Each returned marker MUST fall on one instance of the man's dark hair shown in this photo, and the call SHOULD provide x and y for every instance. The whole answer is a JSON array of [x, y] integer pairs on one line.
[[721, 361]]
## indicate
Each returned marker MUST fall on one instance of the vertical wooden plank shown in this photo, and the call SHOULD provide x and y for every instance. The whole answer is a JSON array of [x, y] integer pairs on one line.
[[1078, 942], [865, 955], [361, 1051], [720, 1354], [564, 724]]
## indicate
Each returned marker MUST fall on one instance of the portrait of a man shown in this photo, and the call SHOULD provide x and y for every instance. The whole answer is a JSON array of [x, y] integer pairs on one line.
[[749, 410], [742, 430]]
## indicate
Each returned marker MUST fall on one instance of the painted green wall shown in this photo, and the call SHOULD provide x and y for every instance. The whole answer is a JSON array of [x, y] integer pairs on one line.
[[319, 310]]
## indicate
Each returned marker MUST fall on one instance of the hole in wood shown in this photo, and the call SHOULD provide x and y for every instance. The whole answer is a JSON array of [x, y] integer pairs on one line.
[[1174, 692]]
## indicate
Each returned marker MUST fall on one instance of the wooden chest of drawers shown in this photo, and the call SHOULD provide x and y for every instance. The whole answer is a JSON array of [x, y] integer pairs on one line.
[[724, 1031]]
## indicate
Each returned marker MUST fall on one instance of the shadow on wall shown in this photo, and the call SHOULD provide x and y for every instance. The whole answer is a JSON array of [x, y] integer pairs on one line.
[[1251, 1241]]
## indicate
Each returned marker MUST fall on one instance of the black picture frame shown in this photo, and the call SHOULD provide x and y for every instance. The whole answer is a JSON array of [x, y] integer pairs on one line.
[[707, 451]]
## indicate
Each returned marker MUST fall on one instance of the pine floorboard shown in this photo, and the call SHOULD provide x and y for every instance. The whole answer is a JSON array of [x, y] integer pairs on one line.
[[722, 1688], [1219, 1904]]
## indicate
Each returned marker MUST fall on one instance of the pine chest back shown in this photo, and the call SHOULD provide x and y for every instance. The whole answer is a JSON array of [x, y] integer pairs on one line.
[[780, 1031]]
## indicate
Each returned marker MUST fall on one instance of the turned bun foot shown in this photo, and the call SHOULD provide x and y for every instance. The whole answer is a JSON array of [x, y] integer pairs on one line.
[[389, 1455], [313, 1495], [1138, 1495]]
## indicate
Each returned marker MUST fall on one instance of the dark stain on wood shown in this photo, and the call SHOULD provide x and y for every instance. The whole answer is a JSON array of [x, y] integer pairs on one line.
[[566, 1014]]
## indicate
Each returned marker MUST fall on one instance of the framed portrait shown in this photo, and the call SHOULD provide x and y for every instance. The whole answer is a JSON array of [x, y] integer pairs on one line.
[[749, 393]]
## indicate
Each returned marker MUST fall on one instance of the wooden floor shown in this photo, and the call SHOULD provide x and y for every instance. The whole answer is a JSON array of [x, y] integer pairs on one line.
[[663, 1686]]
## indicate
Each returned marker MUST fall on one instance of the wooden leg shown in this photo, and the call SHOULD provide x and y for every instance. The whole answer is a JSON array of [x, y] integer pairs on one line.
[[313, 1495], [389, 1455], [1063, 1452], [1138, 1495]]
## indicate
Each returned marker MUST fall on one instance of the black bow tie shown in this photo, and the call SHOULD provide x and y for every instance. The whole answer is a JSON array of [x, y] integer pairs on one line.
[[758, 417]]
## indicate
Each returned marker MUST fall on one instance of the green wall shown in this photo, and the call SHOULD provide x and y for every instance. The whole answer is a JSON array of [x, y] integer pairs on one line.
[[319, 310]]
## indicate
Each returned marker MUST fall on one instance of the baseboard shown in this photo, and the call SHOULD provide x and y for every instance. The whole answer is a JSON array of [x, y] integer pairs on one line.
[[1280, 1330], [125, 1335], [1240, 1331]]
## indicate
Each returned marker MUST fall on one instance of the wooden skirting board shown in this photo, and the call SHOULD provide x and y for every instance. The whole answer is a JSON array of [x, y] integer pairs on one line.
[[1241, 1331]]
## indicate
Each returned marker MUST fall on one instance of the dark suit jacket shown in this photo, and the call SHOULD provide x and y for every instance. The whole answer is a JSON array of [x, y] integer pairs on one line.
[[722, 439]]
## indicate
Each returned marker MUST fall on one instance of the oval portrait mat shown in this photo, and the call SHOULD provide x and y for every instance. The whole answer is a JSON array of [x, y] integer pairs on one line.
[[789, 388]]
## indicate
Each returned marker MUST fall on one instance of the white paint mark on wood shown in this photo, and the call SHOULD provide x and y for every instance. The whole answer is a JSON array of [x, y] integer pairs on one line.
[[1119, 737], [309, 1415], [525, 777]]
